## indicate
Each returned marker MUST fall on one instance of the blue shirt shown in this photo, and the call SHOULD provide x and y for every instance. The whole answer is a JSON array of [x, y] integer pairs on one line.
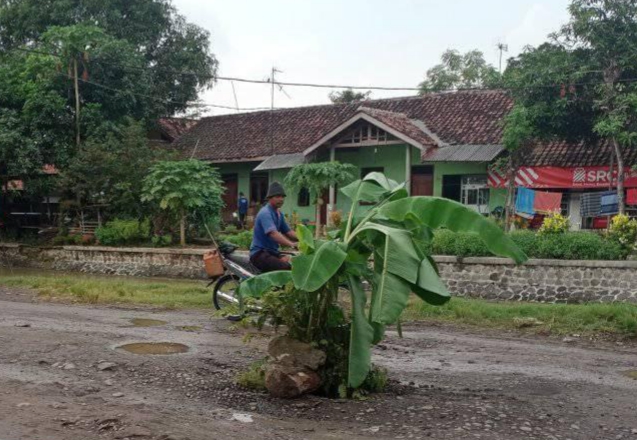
[[243, 205], [268, 220]]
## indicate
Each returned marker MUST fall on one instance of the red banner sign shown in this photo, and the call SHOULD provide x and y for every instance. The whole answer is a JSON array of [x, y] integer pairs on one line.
[[556, 177]]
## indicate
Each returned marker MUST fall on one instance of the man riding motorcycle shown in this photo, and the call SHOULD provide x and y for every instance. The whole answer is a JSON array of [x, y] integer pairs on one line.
[[270, 232]]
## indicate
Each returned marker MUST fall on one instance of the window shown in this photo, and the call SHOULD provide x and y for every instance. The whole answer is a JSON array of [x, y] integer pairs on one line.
[[258, 188], [475, 193], [564, 207], [304, 197]]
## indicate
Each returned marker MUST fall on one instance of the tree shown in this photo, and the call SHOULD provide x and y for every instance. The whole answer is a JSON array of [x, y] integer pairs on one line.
[[580, 86], [167, 43], [349, 96], [388, 247], [184, 188], [460, 71], [318, 178], [110, 168]]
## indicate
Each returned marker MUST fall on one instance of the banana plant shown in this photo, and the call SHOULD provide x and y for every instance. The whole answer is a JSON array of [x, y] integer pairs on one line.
[[388, 247]]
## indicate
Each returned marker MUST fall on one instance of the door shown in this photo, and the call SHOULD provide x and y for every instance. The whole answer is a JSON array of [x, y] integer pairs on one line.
[[422, 181], [230, 196]]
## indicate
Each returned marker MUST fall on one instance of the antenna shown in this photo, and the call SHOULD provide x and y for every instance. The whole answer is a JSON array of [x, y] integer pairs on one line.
[[502, 48], [272, 81]]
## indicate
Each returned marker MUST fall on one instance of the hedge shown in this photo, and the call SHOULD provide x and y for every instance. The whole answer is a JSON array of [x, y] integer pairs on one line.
[[568, 246]]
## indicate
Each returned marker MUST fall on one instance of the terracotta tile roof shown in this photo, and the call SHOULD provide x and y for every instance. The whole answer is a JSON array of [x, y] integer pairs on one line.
[[468, 120], [400, 122], [565, 154], [172, 128], [464, 117]]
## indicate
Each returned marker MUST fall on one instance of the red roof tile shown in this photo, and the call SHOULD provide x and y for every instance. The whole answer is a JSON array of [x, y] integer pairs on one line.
[[464, 117]]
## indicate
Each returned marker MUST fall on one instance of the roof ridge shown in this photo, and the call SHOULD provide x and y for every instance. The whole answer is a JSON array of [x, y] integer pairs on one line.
[[344, 105]]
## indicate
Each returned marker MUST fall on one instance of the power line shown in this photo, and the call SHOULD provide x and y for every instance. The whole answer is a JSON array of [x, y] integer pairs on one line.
[[167, 101]]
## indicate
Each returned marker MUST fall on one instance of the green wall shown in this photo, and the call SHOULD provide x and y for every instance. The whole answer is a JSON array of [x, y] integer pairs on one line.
[[391, 158]]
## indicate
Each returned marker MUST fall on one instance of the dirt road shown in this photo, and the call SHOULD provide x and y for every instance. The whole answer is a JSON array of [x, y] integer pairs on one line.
[[62, 377]]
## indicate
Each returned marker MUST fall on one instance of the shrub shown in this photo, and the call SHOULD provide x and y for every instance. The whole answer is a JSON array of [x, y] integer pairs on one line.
[[336, 217], [119, 232], [162, 240], [555, 223], [623, 231], [61, 240], [565, 246], [243, 239]]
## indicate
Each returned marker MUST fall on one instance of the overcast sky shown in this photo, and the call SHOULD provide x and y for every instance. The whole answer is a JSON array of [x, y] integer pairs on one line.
[[356, 42]]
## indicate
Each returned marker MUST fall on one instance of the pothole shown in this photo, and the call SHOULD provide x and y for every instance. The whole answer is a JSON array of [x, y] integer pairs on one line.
[[144, 322], [189, 328], [631, 374], [154, 348]]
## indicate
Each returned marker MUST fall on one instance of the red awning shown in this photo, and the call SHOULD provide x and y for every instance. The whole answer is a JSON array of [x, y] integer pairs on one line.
[[557, 177]]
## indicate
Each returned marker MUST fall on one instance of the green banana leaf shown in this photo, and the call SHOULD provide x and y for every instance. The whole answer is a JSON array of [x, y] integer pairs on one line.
[[430, 287], [361, 336], [436, 212], [311, 272], [306, 239], [256, 286]]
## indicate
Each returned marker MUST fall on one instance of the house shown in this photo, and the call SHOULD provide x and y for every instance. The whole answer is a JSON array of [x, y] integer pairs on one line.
[[441, 144]]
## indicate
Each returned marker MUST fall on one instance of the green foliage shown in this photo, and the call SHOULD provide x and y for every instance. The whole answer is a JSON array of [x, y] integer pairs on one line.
[[563, 246], [254, 377], [348, 96], [162, 240], [623, 231], [184, 188], [396, 233], [319, 176], [61, 240], [460, 71], [555, 223], [243, 239], [123, 232]]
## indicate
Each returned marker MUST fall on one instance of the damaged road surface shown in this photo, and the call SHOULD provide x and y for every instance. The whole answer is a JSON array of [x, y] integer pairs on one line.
[[63, 376]]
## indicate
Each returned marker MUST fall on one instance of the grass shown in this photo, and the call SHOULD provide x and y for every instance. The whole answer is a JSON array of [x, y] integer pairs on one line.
[[114, 290], [561, 319]]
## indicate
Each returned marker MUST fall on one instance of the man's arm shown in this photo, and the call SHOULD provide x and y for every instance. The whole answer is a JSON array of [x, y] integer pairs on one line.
[[282, 239], [292, 235]]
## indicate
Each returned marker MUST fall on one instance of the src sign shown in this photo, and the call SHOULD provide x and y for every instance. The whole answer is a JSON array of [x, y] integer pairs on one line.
[[556, 177]]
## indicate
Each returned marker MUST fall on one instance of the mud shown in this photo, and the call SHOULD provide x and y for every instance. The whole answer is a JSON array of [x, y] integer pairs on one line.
[[145, 322], [445, 383], [154, 348]]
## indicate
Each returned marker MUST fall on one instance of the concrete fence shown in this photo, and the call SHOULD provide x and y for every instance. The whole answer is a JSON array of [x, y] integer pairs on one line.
[[554, 281]]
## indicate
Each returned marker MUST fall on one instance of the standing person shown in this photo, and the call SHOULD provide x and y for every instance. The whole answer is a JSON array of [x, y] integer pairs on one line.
[[270, 232], [243, 210]]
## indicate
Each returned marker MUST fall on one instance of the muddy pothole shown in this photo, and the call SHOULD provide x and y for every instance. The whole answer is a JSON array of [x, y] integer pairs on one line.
[[189, 328], [153, 348], [144, 322], [631, 374]]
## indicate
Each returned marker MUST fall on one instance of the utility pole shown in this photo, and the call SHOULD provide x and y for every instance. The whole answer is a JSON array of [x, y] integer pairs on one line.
[[502, 48], [272, 84]]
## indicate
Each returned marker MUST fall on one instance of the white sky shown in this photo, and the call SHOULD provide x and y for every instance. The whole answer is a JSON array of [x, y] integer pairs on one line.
[[356, 42]]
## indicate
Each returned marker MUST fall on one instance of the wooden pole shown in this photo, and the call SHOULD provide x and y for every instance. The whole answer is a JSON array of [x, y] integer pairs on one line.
[[408, 169], [332, 201]]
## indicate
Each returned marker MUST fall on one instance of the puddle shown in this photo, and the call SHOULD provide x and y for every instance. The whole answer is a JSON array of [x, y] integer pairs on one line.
[[154, 348], [189, 328], [143, 322], [631, 374]]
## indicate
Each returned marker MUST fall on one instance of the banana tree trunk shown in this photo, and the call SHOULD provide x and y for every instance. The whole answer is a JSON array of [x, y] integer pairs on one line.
[[510, 198]]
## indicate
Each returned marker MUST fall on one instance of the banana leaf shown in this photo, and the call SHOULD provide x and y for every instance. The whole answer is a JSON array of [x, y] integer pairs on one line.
[[256, 286], [430, 287], [311, 272], [361, 336], [306, 239], [436, 212]]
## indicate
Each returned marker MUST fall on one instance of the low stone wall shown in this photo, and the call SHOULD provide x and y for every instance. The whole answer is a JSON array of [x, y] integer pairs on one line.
[[140, 262], [553, 281]]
